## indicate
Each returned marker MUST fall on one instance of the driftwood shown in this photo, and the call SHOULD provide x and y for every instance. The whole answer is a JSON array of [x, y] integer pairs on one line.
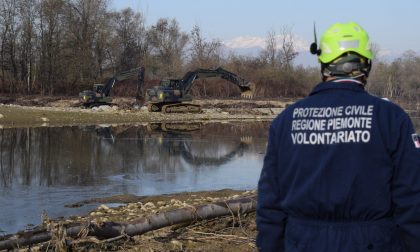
[[138, 226]]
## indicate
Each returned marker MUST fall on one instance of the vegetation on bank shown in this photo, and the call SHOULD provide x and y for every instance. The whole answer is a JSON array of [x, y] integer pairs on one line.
[[60, 47], [234, 231]]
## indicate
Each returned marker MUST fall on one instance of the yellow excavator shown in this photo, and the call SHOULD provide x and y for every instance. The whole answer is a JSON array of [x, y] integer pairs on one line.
[[172, 95]]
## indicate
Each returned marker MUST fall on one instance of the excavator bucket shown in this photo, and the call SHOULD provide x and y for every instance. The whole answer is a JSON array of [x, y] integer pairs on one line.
[[248, 93]]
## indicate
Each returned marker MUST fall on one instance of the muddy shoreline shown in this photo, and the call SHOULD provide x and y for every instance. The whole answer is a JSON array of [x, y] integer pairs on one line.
[[68, 112]]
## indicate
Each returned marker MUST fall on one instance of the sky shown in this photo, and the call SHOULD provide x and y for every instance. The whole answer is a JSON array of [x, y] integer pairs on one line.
[[393, 25]]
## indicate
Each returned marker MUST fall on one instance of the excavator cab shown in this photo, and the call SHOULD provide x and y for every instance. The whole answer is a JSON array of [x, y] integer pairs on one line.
[[98, 88], [165, 83]]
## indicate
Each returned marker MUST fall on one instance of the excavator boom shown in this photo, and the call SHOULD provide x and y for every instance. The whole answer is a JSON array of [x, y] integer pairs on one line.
[[168, 97], [189, 78], [101, 93]]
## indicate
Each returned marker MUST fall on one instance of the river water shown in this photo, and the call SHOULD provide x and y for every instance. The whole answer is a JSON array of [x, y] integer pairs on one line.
[[44, 169]]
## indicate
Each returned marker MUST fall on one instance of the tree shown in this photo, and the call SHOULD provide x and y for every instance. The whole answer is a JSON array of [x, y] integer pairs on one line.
[[27, 15], [203, 53], [140, 225], [270, 51], [9, 31], [376, 49], [51, 40], [168, 45], [287, 52], [83, 20], [130, 44]]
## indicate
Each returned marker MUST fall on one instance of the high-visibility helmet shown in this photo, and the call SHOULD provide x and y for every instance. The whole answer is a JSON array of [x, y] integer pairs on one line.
[[341, 38]]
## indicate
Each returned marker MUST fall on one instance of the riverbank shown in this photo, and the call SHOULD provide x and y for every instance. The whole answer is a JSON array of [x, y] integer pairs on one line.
[[23, 113], [234, 232]]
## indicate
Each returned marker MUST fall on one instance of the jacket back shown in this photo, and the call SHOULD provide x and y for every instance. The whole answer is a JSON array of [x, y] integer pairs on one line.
[[341, 155]]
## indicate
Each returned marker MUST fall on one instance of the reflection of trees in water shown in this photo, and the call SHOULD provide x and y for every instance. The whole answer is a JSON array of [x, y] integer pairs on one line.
[[5, 169], [16, 156], [46, 156], [71, 156]]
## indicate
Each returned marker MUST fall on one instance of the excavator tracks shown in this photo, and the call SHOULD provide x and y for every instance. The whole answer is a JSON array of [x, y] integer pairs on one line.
[[181, 108], [174, 108]]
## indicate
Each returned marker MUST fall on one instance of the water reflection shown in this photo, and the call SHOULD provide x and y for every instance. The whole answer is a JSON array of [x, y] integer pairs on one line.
[[47, 168]]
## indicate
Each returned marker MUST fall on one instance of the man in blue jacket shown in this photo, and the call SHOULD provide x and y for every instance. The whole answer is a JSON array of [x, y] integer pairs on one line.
[[342, 168]]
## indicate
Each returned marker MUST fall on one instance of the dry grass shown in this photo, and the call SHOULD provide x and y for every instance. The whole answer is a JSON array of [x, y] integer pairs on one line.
[[230, 233]]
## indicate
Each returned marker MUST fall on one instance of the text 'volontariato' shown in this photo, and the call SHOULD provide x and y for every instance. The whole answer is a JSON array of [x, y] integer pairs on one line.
[[332, 125]]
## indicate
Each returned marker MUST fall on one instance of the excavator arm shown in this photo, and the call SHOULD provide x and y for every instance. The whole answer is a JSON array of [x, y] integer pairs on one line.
[[171, 95], [123, 76], [101, 93], [187, 81]]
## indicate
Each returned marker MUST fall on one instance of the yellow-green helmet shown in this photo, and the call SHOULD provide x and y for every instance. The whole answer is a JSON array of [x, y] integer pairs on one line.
[[341, 38]]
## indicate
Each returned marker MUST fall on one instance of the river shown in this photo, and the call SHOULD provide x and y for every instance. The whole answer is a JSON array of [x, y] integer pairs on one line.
[[44, 169]]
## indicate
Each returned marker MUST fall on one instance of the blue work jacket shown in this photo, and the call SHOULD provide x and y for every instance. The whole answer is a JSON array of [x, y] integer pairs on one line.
[[341, 173]]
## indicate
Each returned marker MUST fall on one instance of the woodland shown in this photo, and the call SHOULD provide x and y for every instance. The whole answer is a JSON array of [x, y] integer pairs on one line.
[[60, 47]]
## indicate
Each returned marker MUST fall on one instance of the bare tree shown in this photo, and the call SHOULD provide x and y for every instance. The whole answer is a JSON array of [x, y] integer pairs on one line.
[[375, 48], [27, 15], [51, 39], [82, 23], [270, 51], [204, 53], [287, 52], [130, 39], [101, 45], [9, 30], [168, 45]]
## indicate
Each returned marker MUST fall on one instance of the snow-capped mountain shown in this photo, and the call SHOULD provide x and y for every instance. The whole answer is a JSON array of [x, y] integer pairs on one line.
[[253, 46], [259, 42]]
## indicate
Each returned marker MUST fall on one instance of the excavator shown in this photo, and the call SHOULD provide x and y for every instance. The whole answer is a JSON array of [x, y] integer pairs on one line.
[[101, 93], [170, 95]]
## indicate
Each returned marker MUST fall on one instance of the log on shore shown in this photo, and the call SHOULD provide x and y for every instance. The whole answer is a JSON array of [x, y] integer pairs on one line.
[[138, 226]]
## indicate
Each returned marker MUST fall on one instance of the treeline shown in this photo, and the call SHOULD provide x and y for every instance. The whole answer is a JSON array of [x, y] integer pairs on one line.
[[60, 47], [398, 80]]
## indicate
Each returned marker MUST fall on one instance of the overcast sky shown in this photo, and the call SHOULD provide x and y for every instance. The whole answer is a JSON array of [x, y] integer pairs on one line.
[[393, 24]]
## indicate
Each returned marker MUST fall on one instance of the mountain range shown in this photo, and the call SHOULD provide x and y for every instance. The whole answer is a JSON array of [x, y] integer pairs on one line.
[[253, 46]]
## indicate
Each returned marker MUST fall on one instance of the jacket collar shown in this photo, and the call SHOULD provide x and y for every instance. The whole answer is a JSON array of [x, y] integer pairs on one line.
[[341, 83]]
